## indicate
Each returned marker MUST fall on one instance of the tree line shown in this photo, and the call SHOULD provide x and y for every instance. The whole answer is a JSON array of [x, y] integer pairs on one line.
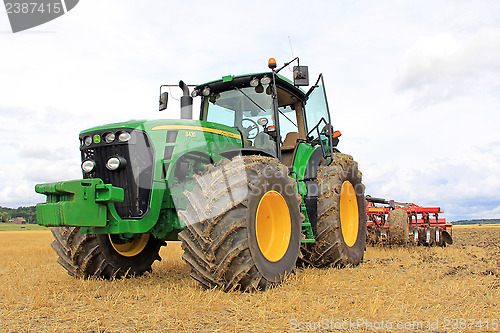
[[478, 221], [27, 213]]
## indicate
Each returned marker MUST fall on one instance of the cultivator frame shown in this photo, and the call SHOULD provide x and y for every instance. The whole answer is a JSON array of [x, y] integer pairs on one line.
[[425, 227]]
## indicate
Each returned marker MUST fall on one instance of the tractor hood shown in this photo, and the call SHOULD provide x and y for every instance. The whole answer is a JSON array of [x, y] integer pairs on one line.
[[142, 156], [154, 143]]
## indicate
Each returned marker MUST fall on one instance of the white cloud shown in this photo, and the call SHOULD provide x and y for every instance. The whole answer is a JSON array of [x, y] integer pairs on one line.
[[104, 61], [442, 67], [464, 186]]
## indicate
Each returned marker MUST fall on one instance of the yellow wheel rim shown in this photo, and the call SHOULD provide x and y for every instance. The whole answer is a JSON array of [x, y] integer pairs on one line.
[[349, 216], [132, 248], [273, 226]]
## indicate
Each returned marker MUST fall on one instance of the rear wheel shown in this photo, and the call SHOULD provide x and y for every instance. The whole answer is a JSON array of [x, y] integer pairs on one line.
[[242, 224], [341, 224], [398, 227], [102, 255]]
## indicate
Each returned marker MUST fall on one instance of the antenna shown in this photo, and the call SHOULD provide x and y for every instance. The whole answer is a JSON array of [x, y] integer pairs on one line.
[[291, 49]]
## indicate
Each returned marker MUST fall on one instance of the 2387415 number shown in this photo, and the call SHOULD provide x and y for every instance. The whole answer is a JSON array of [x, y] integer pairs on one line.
[[32, 7], [461, 324]]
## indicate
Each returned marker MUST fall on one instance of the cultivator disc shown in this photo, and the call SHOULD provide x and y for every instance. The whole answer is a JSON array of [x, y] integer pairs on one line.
[[399, 223]]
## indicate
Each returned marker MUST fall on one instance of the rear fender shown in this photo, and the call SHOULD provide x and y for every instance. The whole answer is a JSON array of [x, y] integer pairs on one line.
[[305, 167]]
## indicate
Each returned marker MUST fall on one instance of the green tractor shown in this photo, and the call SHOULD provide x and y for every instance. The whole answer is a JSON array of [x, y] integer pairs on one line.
[[252, 189]]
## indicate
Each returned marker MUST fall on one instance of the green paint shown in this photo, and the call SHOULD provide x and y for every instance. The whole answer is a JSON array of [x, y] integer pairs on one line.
[[302, 157], [306, 226], [90, 203], [72, 203], [76, 203]]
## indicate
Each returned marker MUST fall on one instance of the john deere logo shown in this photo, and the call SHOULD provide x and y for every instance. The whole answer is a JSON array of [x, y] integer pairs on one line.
[[26, 14], [97, 138]]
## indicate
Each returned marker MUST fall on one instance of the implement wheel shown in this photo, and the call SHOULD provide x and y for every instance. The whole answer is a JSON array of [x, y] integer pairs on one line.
[[341, 226], [104, 256], [398, 227], [243, 224]]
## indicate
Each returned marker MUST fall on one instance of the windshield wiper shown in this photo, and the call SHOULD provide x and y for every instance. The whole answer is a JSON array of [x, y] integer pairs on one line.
[[257, 105], [284, 115], [251, 100]]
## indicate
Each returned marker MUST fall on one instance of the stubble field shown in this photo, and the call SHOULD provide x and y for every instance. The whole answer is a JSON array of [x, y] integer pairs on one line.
[[395, 289]]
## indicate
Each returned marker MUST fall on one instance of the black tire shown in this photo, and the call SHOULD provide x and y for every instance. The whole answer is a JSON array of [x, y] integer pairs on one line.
[[93, 255], [220, 240], [398, 227], [332, 248]]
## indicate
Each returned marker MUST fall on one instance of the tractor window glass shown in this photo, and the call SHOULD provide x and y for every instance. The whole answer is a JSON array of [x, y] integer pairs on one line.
[[288, 121], [221, 115], [316, 111], [244, 109]]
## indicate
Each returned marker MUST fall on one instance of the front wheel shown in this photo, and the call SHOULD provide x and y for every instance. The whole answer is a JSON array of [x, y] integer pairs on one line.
[[102, 255], [341, 221], [243, 225]]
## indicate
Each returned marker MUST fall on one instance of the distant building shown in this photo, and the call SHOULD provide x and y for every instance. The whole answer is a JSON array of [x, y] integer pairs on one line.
[[18, 220]]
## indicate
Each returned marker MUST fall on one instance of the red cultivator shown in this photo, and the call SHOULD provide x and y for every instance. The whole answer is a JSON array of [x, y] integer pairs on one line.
[[402, 223]]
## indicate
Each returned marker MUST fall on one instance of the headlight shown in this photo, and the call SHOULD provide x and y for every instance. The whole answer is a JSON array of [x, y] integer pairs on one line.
[[265, 80], [115, 163], [206, 91], [124, 136], [110, 137], [254, 82], [88, 166], [87, 140]]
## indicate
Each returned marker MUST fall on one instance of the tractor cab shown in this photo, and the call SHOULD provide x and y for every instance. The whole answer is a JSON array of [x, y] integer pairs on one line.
[[248, 104], [270, 112]]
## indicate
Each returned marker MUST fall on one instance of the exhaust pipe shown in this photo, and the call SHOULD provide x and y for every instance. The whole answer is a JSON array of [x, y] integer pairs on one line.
[[186, 102]]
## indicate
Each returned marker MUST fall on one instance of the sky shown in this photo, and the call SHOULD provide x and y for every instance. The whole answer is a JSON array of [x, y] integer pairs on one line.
[[414, 86]]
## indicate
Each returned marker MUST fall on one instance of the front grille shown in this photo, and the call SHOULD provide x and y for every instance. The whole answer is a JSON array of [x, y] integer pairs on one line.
[[136, 178]]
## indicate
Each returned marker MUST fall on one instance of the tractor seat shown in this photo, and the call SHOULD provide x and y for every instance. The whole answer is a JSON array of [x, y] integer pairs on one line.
[[288, 148], [290, 141]]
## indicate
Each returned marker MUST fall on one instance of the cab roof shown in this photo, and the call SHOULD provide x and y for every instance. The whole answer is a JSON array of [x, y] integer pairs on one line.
[[241, 81]]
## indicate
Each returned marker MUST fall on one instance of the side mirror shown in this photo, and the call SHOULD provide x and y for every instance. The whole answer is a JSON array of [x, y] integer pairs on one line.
[[300, 76], [163, 101]]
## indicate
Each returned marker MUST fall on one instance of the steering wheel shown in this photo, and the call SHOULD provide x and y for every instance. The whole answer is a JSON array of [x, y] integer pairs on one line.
[[253, 126]]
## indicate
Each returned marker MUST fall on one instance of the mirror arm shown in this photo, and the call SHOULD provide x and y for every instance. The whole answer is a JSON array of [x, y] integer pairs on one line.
[[288, 63]]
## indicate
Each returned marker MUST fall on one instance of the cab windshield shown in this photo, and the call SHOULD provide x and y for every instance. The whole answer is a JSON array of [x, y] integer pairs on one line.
[[247, 109], [317, 115]]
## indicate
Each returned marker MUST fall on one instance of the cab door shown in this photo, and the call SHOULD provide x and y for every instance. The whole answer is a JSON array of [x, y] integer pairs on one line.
[[317, 116]]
